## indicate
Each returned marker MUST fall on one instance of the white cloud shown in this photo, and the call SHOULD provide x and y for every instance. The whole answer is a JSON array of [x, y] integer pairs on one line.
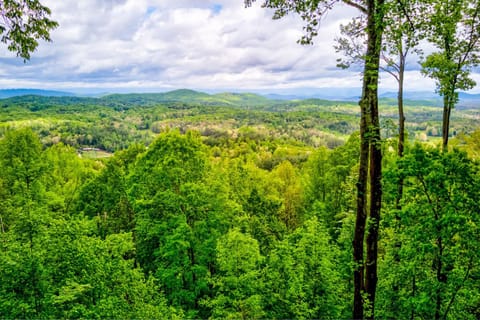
[[207, 44]]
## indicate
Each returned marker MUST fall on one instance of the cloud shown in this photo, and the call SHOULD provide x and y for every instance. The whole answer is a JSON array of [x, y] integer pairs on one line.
[[208, 44]]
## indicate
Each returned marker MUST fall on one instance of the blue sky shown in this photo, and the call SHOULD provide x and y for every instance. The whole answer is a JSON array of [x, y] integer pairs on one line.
[[157, 45]]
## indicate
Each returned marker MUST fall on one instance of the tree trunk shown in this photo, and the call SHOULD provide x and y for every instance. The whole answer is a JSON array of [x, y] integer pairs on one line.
[[401, 115], [441, 278], [358, 239], [447, 108], [370, 152], [401, 129], [375, 208], [398, 206]]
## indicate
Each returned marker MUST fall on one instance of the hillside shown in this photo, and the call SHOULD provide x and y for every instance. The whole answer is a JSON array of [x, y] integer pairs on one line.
[[112, 122], [315, 96], [178, 204]]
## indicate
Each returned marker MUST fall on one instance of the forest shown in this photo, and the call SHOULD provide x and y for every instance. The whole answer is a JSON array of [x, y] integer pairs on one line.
[[188, 205], [230, 206]]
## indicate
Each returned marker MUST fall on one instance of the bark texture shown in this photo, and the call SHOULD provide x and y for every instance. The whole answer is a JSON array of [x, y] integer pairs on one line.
[[370, 170]]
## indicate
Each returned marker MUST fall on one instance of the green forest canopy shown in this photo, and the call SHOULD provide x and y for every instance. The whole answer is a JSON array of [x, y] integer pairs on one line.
[[225, 211]]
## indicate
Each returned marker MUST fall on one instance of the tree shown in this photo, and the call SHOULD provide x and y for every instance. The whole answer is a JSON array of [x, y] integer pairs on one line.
[[25, 220], [436, 274], [23, 23], [454, 29], [370, 168], [238, 281], [258, 200], [76, 275], [67, 173], [180, 214], [401, 37], [52, 264], [288, 186], [301, 279], [329, 193], [262, 220], [470, 143], [22, 169], [105, 196]]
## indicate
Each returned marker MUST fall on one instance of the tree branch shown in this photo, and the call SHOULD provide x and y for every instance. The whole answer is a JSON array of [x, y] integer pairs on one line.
[[355, 5], [405, 12], [393, 74], [473, 39], [457, 289]]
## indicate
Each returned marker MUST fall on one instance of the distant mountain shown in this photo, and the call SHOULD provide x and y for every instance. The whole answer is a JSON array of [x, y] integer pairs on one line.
[[287, 97], [188, 96], [469, 100], [321, 96], [242, 98], [335, 94], [469, 96], [184, 94], [466, 100], [8, 93], [42, 98], [412, 95], [411, 98]]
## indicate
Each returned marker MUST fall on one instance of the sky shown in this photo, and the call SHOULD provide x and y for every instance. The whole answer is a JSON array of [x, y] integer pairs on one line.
[[207, 45]]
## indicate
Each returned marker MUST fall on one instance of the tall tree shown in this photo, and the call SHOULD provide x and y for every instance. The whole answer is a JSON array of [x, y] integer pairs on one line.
[[21, 171], [327, 175], [401, 38], [238, 282], [370, 168], [454, 29], [106, 196], [24, 216], [300, 278], [22, 24], [179, 215], [439, 257], [290, 191]]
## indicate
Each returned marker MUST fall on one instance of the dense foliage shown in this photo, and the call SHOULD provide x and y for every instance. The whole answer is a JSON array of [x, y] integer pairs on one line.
[[115, 122], [235, 222]]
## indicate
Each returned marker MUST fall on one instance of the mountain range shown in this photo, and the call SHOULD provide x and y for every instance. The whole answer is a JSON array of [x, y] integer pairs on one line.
[[8, 93], [425, 98]]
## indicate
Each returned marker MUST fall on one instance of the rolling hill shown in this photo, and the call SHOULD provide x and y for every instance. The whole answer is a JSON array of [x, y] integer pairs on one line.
[[43, 98]]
